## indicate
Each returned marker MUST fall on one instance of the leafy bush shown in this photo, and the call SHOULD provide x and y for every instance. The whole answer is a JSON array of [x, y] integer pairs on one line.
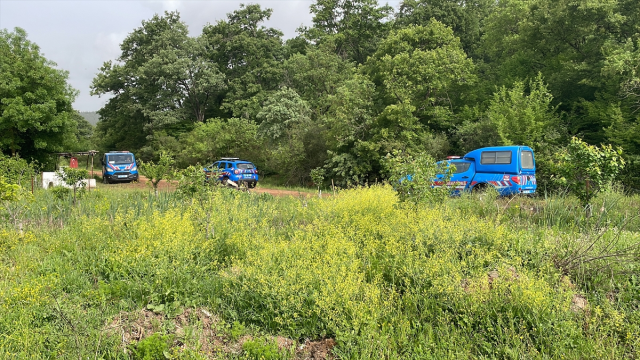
[[414, 177], [154, 347], [74, 178], [157, 172], [262, 349], [586, 169], [16, 170], [60, 192]]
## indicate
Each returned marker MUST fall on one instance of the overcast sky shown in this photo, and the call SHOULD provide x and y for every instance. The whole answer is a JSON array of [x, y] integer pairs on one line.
[[80, 35]]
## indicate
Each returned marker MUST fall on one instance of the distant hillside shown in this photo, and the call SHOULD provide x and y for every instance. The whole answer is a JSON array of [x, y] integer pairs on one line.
[[91, 116]]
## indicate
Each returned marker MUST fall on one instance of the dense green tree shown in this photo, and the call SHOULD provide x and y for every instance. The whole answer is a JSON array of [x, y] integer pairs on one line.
[[416, 69], [249, 55], [316, 75], [215, 138], [161, 79], [35, 100], [523, 115], [295, 142], [355, 26], [84, 133], [465, 18], [565, 41], [354, 156]]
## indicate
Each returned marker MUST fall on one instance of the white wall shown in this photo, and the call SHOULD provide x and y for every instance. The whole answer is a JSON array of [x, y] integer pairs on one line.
[[50, 178]]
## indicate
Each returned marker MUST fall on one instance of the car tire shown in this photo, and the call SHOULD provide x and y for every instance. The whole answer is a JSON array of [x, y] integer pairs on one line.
[[104, 179], [252, 184]]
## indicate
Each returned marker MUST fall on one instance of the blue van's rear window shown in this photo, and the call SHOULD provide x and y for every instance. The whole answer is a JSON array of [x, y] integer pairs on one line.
[[495, 157], [526, 158]]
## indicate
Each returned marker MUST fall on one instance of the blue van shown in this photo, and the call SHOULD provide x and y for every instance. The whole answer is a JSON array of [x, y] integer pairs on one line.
[[509, 169], [119, 166]]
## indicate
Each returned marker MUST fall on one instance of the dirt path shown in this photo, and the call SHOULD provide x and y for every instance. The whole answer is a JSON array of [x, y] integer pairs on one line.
[[165, 185]]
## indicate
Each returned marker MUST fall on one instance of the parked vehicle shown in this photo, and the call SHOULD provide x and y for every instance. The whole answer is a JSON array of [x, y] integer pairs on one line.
[[119, 166], [233, 171], [509, 169]]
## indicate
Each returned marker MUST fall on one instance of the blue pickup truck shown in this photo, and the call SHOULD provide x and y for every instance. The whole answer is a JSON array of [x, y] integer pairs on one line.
[[509, 169]]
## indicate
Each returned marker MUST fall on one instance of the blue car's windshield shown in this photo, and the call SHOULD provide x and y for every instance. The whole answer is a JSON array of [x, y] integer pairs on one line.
[[120, 159]]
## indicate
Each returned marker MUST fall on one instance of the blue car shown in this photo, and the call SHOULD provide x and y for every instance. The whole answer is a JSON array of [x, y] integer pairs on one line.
[[119, 166], [509, 169], [234, 170]]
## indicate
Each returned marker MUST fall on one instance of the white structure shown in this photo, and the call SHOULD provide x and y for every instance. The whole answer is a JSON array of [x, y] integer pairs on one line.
[[50, 179]]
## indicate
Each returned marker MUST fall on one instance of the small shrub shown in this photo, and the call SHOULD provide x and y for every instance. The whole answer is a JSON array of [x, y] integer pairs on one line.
[[60, 192], [156, 172], [585, 169], [414, 177], [73, 177], [262, 349], [155, 347]]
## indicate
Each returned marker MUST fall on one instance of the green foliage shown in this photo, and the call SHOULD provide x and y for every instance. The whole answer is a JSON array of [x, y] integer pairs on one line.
[[17, 170], [354, 26], [192, 182], [416, 68], [523, 118], [317, 176], [35, 100], [286, 126], [218, 138], [585, 169], [465, 19], [83, 135], [61, 192], [156, 172], [154, 347], [8, 192], [249, 55], [263, 349], [416, 179], [73, 178], [443, 77]]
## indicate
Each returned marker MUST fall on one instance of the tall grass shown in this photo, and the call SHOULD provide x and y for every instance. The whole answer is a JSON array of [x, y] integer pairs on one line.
[[470, 278]]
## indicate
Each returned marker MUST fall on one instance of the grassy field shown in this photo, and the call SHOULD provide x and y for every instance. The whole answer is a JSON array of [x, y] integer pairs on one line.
[[230, 275]]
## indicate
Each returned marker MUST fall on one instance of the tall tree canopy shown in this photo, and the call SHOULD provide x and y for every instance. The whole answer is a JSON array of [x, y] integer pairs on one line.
[[35, 100], [355, 26], [160, 79], [249, 54]]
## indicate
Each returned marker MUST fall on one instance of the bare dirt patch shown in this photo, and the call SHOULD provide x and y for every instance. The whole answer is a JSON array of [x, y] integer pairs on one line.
[[212, 335], [170, 185]]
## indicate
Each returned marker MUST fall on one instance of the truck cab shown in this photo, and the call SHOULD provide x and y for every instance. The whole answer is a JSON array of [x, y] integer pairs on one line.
[[119, 166], [509, 169]]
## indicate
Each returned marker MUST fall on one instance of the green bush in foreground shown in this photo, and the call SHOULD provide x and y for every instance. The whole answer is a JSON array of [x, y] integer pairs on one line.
[[468, 278]]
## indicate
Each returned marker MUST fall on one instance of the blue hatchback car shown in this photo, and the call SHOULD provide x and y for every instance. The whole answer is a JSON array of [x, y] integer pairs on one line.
[[233, 169]]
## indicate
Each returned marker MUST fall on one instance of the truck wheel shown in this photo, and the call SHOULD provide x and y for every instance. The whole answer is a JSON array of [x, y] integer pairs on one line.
[[105, 180]]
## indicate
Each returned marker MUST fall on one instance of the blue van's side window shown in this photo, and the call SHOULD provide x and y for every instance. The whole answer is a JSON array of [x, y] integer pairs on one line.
[[495, 157], [526, 158], [461, 167]]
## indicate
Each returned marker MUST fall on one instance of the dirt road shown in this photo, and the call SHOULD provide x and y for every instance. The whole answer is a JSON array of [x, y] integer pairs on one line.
[[165, 185]]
